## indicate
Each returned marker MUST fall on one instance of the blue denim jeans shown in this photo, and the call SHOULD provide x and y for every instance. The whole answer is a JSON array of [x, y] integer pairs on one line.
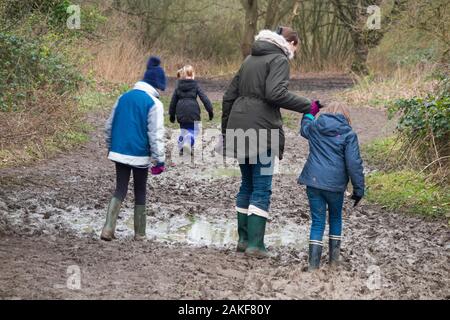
[[188, 134], [318, 202], [256, 185]]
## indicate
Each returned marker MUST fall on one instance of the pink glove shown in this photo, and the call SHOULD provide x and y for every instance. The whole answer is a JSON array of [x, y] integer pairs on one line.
[[158, 169], [315, 107]]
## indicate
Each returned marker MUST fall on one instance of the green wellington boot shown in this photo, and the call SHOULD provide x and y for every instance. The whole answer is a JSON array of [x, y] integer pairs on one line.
[[256, 229], [315, 252], [140, 223], [242, 220], [335, 249], [111, 219]]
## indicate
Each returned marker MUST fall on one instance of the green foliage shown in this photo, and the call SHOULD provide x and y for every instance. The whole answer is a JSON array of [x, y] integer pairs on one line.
[[92, 99], [416, 158], [55, 10], [381, 151], [424, 123], [91, 19], [27, 66], [408, 191], [48, 16]]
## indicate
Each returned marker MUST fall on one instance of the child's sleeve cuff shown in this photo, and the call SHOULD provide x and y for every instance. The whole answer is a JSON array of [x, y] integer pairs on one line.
[[309, 116]]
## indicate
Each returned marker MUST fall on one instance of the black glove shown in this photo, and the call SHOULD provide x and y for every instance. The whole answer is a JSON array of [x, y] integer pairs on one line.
[[356, 198], [319, 104], [172, 119], [211, 116]]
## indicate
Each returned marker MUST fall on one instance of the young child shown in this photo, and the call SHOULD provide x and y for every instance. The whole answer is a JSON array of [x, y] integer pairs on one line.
[[135, 136], [185, 108], [333, 158]]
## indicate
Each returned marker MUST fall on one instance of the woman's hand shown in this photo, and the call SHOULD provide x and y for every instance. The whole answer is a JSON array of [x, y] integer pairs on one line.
[[315, 107]]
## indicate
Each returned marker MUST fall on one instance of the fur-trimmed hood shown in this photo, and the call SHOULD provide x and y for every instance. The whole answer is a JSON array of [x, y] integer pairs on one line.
[[276, 39], [149, 89]]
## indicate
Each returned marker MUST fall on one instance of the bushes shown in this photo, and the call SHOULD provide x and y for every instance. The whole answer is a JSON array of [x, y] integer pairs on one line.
[[416, 160], [27, 66], [424, 128], [55, 10]]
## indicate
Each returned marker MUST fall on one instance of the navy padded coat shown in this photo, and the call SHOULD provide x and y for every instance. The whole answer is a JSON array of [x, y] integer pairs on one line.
[[334, 155]]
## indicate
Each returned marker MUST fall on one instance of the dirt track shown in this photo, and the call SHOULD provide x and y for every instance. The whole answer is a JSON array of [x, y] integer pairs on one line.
[[51, 215]]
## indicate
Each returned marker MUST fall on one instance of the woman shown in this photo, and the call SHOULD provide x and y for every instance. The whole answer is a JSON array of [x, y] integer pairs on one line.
[[252, 128]]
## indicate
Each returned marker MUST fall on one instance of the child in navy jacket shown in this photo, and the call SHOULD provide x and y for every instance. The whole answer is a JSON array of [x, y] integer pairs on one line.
[[185, 108]]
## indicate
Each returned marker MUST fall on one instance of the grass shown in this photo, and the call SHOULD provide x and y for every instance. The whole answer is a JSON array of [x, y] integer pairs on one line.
[[379, 151], [71, 131], [215, 123], [93, 100], [73, 135], [378, 91], [402, 190], [408, 191], [291, 120]]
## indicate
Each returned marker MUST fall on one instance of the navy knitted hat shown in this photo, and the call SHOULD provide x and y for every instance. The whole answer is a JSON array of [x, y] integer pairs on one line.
[[154, 75]]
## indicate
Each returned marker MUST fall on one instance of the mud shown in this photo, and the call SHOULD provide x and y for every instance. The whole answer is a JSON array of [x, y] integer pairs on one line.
[[51, 215]]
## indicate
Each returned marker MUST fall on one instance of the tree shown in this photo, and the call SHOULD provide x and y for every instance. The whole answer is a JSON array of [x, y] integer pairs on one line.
[[274, 12], [353, 14], [323, 39], [250, 25], [433, 18]]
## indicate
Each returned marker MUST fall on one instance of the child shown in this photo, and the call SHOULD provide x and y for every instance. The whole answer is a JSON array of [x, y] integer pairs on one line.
[[185, 107], [134, 135], [333, 158]]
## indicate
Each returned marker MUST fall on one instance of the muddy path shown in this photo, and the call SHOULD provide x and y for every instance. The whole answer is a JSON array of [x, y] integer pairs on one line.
[[51, 215]]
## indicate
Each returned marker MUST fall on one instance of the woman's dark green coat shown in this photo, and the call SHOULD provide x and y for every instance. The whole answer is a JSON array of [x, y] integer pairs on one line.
[[253, 101]]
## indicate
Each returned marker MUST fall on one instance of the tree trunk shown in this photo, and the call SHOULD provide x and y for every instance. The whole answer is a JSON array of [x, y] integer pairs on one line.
[[250, 25], [360, 53], [294, 13], [272, 14]]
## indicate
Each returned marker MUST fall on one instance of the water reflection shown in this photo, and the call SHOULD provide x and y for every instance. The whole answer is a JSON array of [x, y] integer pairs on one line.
[[201, 230]]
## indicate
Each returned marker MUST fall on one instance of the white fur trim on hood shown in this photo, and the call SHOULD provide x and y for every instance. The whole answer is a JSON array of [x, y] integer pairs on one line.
[[144, 86], [276, 39]]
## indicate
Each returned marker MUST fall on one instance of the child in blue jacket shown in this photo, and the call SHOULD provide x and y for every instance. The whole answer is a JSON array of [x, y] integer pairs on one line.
[[135, 138], [333, 158]]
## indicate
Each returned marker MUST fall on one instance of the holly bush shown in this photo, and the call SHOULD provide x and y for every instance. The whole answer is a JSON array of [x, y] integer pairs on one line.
[[26, 66]]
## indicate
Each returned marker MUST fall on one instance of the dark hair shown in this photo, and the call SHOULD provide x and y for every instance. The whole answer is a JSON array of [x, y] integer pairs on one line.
[[289, 34]]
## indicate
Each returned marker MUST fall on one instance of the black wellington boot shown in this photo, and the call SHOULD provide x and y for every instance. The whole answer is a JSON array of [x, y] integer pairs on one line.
[[315, 253], [335, 250]]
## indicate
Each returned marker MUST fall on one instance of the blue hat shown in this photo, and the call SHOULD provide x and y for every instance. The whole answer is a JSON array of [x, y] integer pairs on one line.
[[154, 75]]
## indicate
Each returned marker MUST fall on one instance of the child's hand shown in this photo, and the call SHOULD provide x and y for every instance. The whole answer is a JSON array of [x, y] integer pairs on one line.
[[356, 198], [315, 107], [158, 169]]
